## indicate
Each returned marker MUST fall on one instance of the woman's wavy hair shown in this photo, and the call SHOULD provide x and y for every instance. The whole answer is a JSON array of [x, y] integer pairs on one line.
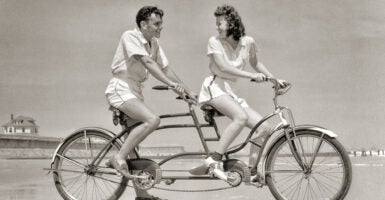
[[236, 27]]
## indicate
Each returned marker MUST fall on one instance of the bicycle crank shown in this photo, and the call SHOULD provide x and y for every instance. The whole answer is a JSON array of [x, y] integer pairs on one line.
[[234, 179], [144, 180]]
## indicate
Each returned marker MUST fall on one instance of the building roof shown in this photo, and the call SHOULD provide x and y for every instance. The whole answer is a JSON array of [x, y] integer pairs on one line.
[[21, 117], [25, 122]]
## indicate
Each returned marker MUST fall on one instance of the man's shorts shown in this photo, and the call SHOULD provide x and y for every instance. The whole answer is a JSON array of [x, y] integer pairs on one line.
[[119, 91]]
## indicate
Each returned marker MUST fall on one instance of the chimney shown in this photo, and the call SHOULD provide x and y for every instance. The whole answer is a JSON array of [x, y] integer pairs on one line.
[[11, 117]]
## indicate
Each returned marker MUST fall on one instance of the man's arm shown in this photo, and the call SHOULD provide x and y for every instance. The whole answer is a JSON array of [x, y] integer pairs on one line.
[[172, 76], [155, 70]]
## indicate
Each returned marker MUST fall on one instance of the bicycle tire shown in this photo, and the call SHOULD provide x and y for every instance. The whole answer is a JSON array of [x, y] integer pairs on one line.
[[72, 181], [331, 166]]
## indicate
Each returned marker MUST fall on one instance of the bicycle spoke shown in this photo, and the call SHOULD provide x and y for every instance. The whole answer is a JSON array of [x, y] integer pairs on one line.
[[71, 161]]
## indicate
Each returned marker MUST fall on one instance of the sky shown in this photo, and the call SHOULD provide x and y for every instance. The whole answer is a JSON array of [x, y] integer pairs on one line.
[[55, 59]]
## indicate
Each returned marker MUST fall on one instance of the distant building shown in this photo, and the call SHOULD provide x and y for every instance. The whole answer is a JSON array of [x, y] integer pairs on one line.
[[160, 150], [21, 125]]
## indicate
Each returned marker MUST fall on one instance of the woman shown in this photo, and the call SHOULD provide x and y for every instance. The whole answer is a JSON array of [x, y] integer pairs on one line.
[[230, 52]]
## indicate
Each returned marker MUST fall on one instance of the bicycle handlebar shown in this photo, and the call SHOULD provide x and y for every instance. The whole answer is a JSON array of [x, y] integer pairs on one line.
[[185, 97], [279, 88]]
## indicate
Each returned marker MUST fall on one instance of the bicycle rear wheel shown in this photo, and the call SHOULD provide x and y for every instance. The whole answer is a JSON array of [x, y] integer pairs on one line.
[[329, 177], [76, 178]]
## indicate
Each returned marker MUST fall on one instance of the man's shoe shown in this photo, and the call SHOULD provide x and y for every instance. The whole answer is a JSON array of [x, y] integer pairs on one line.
[[149, 198]]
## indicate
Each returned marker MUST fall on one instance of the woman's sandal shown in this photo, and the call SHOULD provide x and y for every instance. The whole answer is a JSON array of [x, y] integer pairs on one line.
[[120, 166]]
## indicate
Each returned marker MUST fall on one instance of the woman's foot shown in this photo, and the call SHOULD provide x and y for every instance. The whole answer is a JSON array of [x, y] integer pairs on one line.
[[258, 179], [216, 168]]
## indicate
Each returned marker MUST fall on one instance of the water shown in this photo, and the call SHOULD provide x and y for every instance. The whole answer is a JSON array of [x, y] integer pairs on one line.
[[26, 180]]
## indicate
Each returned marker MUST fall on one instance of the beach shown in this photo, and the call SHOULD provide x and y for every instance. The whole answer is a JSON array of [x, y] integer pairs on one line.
[[25, 179]]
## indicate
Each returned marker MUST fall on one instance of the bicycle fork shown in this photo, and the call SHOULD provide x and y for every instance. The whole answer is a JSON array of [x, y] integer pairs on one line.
[[287, 128], [295, 142]]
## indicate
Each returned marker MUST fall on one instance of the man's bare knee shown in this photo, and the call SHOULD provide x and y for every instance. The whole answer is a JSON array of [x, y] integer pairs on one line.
[[153, 122], [241, 119]]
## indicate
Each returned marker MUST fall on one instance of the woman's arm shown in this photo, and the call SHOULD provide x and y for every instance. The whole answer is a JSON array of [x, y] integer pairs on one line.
[[260, 67], [253, 60], [223, 66]]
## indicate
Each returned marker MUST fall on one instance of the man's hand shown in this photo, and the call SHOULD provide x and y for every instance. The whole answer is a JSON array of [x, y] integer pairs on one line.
[[178, 88], [193, 97]]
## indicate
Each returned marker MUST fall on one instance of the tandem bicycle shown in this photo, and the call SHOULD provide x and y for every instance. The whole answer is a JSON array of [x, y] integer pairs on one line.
[[294, 161]]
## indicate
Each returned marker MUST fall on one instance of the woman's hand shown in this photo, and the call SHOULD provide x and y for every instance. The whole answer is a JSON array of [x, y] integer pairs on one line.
[[258, 77], [282, 83]]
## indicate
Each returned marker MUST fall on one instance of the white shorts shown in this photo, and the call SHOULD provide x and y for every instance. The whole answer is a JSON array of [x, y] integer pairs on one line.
[[119, 91], [215, 87]]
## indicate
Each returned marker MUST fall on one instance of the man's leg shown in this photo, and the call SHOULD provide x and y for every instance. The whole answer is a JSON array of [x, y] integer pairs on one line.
[[137, 110]]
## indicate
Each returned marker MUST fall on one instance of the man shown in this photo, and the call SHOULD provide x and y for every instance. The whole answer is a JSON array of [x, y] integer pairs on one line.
[[138, 54]]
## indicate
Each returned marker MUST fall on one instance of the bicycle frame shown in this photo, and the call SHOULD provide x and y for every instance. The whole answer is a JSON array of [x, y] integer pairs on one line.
[[301, 162], [287, 125]]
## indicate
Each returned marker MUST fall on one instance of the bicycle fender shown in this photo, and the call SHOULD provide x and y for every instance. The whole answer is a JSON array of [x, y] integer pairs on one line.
[[296, 128], [302, 128], [105, 131], [316, 128]]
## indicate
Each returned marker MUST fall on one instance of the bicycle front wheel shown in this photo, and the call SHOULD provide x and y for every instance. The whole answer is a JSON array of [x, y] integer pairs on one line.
[[326, 173], [76, 178]]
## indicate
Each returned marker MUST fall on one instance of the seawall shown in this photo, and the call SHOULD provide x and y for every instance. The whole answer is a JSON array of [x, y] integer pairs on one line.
[[27, 146]]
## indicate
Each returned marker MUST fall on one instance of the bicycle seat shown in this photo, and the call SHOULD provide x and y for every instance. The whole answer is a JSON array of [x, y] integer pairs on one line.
[[119, 117], [210, 112]]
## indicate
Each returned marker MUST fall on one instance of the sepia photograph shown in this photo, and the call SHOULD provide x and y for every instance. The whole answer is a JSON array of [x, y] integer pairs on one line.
[[192, 99]]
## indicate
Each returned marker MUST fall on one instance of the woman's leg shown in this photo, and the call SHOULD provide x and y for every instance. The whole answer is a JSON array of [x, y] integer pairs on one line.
[[137, 110], [261, 133], [230, 108]]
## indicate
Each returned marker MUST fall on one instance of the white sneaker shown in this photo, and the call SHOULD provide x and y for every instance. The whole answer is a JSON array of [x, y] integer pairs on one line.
[[216, 168]]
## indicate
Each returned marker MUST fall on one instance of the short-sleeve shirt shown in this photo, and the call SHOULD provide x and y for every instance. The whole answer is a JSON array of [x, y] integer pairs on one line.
[[132, 42], [238, 57]]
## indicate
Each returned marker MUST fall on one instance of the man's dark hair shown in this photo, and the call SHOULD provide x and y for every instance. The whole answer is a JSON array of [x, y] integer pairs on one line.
[[145, 12], [236, 27]]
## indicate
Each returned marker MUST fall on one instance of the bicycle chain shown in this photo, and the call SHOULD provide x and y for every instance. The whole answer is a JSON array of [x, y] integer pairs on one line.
[[206, 190], [173, 190]]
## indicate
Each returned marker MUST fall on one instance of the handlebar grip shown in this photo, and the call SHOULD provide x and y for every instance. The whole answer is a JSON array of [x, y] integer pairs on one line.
[[161, 87]]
